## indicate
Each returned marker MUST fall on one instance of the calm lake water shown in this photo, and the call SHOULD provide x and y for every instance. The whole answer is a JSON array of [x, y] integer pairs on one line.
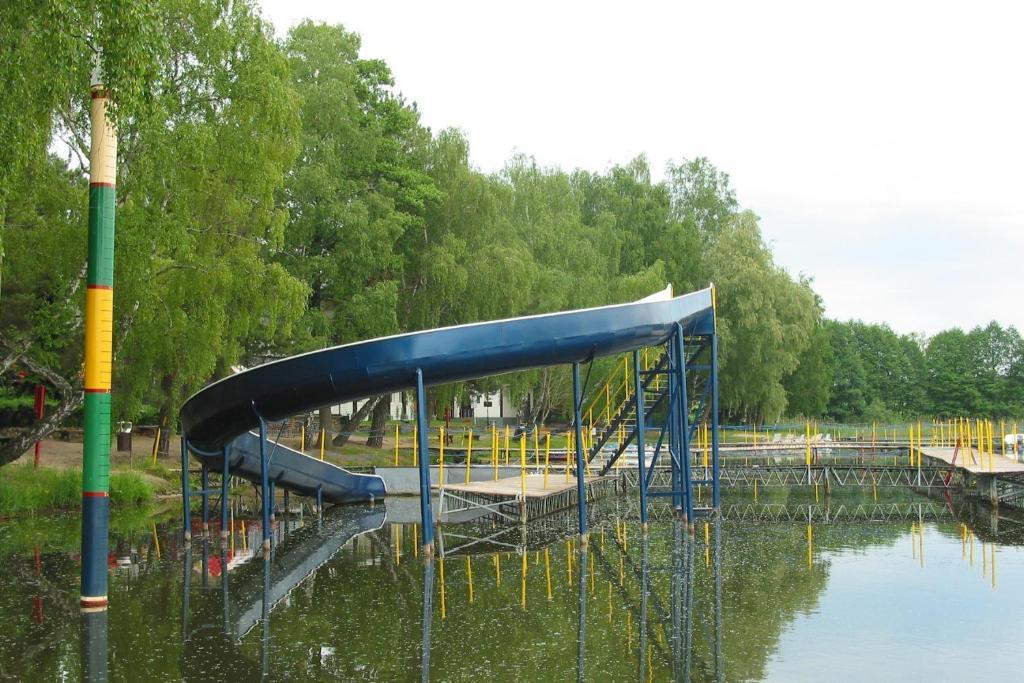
[[902, 588]]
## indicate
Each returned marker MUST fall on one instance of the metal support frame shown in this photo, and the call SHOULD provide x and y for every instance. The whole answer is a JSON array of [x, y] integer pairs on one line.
[[684, 418], [204, 482], [264, 484], [225, 484], [426, 514], [186, 503], [581, 493], [641, 450]]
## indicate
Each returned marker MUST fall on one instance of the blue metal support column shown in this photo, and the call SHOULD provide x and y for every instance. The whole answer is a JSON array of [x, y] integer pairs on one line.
[[319, 499], [273, 501], [684, 416], [423, 427], [641, 451], [672, 421], [715, 473], [581, 483], [204, 481], [186, 503], [225, 490], [265, 485]]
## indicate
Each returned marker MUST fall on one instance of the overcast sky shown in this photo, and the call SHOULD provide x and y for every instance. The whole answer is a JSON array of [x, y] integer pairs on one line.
[[880, 142]]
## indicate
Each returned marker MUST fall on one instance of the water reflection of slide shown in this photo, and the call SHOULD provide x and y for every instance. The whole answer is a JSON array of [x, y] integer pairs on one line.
[[249, 591]]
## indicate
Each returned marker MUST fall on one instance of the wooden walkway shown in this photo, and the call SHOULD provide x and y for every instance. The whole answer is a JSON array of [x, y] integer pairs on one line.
[[974, 463], [512, 487]]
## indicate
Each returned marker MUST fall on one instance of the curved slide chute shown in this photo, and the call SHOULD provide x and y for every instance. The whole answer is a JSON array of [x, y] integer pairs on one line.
[[229, 408]]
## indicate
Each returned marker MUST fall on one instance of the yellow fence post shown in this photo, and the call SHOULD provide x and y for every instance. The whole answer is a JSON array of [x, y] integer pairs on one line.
[[396, 444], [522, 462], [469, 454], [440, 458], [415, 448], [302, 438], [323, 442], [547, 458]]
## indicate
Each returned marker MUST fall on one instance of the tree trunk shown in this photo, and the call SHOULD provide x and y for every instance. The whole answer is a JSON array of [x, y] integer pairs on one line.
[[326, 425], [351, 422], [14, 448], [381, 413]]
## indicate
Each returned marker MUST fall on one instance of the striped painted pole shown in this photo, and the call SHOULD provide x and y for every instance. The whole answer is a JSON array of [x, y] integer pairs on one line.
[[99, 323]]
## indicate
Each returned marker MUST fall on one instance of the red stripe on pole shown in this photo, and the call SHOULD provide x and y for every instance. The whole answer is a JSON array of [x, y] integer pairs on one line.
[[99, 286], [94, 494], [97, 391]]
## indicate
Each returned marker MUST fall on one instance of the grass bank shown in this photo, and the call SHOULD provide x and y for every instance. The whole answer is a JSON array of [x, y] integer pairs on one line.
[[24, 488]]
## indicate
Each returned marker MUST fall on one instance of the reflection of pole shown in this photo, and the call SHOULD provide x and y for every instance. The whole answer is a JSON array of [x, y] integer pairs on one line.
[[645, 589], [581, 487], [224, 590], [677, 600], [719, 664], [582, 621], [265, 640], [93, 641], [225, 490], [688, 609], [206, 563], [428, 617], [186, 582], [265, 485], [186, 504]]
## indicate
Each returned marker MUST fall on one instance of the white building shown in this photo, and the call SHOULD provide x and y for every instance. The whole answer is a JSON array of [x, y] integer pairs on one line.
[[484, 408]]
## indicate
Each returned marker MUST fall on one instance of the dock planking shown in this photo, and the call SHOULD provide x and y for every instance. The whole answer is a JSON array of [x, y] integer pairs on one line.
[[973, 461], [512, 487]]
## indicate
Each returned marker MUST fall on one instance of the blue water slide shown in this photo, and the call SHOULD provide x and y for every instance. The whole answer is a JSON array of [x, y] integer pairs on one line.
[[225, 412]]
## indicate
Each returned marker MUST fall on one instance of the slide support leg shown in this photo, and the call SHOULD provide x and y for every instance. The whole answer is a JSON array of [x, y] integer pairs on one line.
[[426, 513], [641, 453], [265, 485], [225, 489], [581, 482], [204, 479], [684, 416], [186, 503]]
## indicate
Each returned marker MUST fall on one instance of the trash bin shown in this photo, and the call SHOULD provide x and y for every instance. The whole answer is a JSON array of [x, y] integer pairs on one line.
[[124, 437]]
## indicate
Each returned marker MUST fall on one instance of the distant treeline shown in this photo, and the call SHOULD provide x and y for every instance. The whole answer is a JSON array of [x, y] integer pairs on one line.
[[875, 374], [276, 196]]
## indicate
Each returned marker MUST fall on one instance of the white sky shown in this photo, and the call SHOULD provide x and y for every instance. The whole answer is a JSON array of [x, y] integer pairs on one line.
[[880, 142]]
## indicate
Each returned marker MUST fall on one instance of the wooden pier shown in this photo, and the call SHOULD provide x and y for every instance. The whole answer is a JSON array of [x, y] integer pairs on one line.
[[517, 498]]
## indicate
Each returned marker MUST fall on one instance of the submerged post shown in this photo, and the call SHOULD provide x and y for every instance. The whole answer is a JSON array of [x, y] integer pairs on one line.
[[99, 321], [641, 451], [581, 483], [423, 434], [186, 503], [264, 484]]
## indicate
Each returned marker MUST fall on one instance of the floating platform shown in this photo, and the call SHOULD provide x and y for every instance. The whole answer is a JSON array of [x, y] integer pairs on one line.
[[974, 463], [517, 498]]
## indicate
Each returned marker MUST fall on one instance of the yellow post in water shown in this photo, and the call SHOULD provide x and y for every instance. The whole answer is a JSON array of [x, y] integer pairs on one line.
[[302, 438], [440, 457], [469, 454], [396, 444], [547, 458], [323, 442], [522, 464], [536, 446], [415, 447]]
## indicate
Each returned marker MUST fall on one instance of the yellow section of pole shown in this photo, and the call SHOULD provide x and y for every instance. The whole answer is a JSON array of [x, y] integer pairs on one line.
[[507, 437], [323, 442], [396, 444], [547, 570], [469, 453], [443, 611], [302, 438], [807, 443], [469, 575], [415, 446]]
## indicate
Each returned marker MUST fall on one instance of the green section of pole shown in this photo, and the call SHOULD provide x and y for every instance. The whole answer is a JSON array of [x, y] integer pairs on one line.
[[96, 448], [101, 238]]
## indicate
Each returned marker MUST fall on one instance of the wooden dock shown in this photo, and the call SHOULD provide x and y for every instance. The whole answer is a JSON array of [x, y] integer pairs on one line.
[[974, 462], [517, 497]]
